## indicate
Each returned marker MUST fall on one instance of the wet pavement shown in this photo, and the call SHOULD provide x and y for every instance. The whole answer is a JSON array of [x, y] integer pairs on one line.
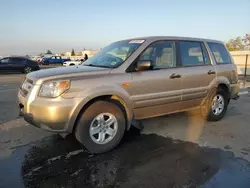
[[140, 161]]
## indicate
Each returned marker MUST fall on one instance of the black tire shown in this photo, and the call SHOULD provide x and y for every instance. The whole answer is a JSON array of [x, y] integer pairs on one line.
[[27, 70], [83, 125], [207, 111], [72, 64]]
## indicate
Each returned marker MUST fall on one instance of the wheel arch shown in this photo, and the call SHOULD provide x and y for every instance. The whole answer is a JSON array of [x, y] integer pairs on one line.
[[119, 100], [225, 88], [222, 82]]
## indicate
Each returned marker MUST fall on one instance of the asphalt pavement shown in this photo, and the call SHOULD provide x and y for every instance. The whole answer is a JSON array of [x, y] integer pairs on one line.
[[9, 85], [180, 150]]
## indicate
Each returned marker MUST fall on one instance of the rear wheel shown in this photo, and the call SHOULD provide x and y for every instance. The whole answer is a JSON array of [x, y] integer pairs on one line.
[[27, 70], [216, 106], [101, 127]]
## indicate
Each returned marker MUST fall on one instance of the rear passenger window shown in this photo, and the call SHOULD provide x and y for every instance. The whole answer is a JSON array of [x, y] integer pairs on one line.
[[191, 53], [220, 53], [17, 60]]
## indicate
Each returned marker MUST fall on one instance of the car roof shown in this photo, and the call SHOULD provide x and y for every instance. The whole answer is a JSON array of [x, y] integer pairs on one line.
[[20, 57], [156, 38]]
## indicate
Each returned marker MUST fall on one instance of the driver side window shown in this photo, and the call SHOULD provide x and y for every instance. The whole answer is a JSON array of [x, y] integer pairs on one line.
[[162, 54]]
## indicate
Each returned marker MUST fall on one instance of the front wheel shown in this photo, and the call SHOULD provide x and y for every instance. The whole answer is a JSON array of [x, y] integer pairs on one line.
[[101, 127], [217, 105]]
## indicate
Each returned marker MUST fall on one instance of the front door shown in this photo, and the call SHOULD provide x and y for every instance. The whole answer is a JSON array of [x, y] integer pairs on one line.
[[197, 73], [157, 91], [5, 64]]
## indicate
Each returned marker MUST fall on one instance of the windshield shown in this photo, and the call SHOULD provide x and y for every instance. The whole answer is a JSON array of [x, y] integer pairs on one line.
[[114, 55]]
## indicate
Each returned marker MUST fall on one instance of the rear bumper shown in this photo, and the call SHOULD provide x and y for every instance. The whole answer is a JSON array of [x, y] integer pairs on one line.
[[36, 68], [235, 89]]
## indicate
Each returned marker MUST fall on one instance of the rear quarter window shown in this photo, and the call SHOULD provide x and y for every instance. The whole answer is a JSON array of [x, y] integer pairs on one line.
[[220, 53]]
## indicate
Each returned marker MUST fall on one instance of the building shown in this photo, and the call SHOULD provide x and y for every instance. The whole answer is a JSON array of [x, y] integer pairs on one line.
[[89, 52], [67, 54]]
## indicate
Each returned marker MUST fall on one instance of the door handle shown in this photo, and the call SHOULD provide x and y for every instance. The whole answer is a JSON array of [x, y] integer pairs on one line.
[[211, 72], [173, 76]]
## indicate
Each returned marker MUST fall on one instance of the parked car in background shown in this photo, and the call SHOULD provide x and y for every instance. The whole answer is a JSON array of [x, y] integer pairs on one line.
[[53, 60], [127, 81], [18, 64], [72, 63]]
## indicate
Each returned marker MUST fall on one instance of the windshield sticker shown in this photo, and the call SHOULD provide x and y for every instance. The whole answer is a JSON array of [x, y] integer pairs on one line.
[[113, 63], [136, 41]]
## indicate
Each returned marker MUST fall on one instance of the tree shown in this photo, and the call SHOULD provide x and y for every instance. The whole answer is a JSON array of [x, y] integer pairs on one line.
[[48, 52], [62, 54], [246, 41], [235, 44], [73, 52]]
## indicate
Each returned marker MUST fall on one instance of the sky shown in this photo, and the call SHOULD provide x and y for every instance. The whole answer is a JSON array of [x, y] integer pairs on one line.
[[34, 26]]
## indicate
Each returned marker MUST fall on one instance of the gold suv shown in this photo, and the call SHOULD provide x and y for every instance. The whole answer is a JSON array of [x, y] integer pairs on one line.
[[127, 81]]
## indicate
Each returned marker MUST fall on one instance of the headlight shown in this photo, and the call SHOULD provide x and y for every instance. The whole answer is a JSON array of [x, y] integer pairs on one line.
[[54, 89]]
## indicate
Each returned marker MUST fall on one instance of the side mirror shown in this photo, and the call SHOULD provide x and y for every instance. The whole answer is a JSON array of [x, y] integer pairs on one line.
[[144, 65]]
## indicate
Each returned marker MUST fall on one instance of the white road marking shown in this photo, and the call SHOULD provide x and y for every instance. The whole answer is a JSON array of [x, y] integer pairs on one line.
[[72, 153], [243, 92], [33, 170], [8, 90]]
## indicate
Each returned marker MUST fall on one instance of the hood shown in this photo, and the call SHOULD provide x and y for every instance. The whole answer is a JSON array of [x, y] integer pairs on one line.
[[66, 72]]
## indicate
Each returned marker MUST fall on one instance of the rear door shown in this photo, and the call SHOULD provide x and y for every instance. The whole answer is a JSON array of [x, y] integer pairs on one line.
[[157, 91], [18, 64], [197, 73]]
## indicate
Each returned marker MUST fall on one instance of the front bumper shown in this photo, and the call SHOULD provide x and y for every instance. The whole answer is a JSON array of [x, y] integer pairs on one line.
[[49, 114], [29, 118]]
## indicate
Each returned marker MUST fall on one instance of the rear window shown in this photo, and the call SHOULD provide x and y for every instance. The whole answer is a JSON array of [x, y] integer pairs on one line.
[[220, 53]]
